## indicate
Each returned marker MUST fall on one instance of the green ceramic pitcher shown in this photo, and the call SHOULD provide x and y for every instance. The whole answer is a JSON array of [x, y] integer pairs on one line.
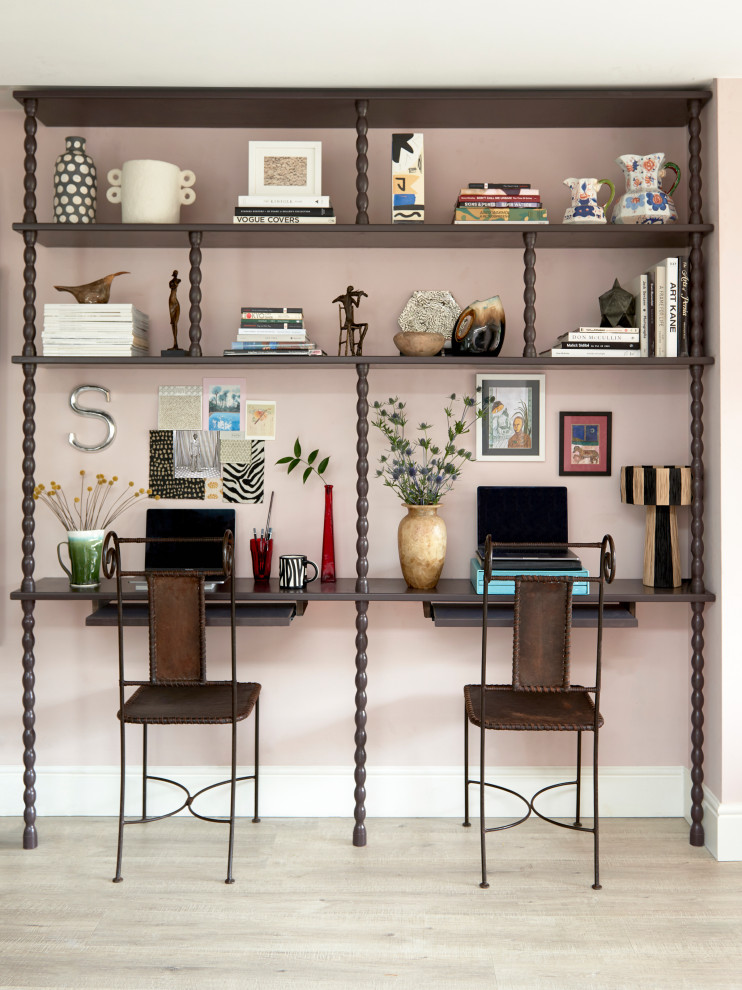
[[84, 548]]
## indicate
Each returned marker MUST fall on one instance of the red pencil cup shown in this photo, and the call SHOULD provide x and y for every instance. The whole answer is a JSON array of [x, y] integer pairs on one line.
[[262, 552]]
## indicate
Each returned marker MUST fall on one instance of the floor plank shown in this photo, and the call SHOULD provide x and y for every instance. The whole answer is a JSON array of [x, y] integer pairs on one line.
[[310, 910]]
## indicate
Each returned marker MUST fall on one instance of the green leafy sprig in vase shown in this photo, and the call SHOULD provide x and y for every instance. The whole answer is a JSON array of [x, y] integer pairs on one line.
[[315, 465], [421, 472]]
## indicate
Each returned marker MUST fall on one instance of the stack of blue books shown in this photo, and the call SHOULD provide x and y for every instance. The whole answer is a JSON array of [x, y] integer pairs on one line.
[[476, 574]]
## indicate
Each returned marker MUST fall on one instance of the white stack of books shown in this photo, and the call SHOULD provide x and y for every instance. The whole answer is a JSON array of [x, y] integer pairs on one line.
[[272, 330], [95, 330], [600, 342], [283, 210]]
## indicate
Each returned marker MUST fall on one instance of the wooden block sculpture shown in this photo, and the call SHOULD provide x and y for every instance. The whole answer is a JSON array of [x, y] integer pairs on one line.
[[660, 490], [408, 188]]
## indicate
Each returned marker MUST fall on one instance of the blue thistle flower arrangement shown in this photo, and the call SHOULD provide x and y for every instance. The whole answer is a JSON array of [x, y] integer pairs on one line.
[[420, 471]]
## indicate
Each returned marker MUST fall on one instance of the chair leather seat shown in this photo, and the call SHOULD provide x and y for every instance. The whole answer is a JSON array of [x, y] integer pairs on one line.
[[177, 704], [506, 708]]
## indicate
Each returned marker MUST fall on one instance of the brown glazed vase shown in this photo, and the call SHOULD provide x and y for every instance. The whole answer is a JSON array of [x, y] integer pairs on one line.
[[421, 539]]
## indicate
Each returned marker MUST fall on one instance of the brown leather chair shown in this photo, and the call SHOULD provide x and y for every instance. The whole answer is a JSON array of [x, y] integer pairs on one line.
[[177, 691], [541, 696]]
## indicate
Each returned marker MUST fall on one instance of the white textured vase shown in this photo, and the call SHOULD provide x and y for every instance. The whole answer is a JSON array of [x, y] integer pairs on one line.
[[421, 540], [150, 191]]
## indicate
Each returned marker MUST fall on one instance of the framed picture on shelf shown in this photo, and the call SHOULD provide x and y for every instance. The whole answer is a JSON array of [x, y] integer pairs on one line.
[[512, 428], [284, 168], [585, 443]]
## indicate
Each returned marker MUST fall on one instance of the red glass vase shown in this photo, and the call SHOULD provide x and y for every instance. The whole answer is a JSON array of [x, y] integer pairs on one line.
[[328, 540]]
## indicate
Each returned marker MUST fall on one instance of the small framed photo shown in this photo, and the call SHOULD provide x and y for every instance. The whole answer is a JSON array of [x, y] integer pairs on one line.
[[284, 168], [260, 419], [223, 405], [585, 443], [512, 427], [195, 454]]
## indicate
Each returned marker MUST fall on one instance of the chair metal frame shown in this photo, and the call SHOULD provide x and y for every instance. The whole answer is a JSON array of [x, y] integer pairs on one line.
[[112, 567], [607, 570]]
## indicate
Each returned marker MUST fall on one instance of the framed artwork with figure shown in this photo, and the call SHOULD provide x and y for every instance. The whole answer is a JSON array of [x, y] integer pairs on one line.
[[585, 443], [512, 427]]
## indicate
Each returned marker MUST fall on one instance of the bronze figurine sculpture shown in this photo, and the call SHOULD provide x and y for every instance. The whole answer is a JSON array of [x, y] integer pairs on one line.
[[174, 307], [92, 292], [348, 326]]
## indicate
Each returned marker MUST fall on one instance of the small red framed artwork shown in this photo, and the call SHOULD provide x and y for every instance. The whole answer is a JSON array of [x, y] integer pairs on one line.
[[585, 443]]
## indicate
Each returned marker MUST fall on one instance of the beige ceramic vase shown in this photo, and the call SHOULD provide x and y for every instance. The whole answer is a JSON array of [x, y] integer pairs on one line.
[[421, 539]]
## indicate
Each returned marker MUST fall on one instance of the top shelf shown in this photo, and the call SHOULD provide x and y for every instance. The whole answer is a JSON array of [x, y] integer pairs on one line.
[[390, 108], [423, 235]]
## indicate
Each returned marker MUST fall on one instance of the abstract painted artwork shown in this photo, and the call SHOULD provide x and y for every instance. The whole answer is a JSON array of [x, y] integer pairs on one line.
[[408, 186]]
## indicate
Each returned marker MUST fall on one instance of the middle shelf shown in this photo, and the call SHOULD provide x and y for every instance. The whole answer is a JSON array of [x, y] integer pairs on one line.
[[372, 360]]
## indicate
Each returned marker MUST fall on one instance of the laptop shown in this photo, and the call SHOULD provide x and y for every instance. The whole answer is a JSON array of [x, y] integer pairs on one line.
[[525, 515], [185, 556]]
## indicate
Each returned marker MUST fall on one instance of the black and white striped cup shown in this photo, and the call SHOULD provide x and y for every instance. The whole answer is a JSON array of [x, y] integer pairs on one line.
[[292, 570]]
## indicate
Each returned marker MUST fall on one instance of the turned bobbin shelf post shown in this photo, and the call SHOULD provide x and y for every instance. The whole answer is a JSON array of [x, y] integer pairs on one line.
[[661, 489]]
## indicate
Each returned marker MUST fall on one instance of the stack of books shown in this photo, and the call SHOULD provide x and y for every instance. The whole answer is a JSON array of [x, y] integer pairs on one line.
[[662, 309], [601, 342], [272, 330], [499, 202], [95, 330], [498, 586], [283, 209]]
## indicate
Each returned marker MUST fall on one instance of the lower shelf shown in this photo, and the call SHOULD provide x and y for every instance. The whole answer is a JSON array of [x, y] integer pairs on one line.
[[217, 614], [446, 614]]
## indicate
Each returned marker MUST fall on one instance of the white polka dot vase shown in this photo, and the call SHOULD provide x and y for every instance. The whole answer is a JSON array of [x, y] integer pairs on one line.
[[75, 184]]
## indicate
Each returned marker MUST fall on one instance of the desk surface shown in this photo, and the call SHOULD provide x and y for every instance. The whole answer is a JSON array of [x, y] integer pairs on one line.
[[344, 590]]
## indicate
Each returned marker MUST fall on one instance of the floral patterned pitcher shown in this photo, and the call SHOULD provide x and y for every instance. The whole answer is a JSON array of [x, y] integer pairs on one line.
[[644, 201], [584, 208]]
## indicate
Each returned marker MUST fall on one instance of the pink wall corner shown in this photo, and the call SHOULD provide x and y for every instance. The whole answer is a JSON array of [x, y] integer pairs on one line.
[[723, 452]]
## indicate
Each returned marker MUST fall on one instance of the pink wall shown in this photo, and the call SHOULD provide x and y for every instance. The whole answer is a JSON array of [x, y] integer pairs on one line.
[[307, 670], [725, 673]]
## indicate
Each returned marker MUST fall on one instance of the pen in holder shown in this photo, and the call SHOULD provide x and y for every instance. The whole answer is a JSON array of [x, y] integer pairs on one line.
[[261, 549]]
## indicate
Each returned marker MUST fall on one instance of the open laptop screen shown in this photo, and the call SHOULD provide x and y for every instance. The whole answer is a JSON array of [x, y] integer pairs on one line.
[[182, 523], [522, 514]]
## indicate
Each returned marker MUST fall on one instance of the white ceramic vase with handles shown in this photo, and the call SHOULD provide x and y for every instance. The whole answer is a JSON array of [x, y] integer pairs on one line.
[[150, 191]]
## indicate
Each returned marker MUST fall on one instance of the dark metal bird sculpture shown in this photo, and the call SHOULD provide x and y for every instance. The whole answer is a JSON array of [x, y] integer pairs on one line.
[[92, 292]]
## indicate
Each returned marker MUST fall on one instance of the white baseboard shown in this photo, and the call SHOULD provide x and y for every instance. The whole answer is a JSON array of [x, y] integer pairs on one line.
[[327, 792], [722, 824]]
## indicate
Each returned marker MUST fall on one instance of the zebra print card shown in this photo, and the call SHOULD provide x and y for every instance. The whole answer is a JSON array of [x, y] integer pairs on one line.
[[245, 482]]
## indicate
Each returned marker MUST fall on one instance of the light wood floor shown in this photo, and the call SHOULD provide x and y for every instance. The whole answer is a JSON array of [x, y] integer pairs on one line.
[[310, 910]]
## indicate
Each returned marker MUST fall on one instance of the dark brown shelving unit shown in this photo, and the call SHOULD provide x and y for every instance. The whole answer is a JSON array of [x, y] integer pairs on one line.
[[373, 360], [453, 603], [382, 235], [450, 108]]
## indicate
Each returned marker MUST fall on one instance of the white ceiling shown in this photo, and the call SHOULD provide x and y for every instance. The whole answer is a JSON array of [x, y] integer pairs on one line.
[[372, 43]]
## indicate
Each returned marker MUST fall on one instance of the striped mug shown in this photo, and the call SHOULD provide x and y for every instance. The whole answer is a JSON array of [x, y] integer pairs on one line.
[[292, 570]]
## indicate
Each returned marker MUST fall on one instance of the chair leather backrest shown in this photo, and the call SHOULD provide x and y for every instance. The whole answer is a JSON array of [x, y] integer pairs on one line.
[[177, 621], [542, 623]]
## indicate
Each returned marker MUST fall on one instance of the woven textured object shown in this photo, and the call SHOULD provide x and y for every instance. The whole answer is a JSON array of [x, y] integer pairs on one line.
[[656, 485], [430, 311]]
